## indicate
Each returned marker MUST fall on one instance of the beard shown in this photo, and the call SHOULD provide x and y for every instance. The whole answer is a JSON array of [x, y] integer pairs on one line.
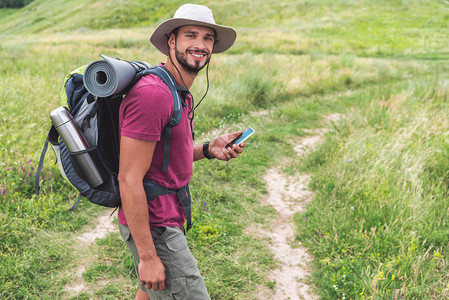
[[192, 68]]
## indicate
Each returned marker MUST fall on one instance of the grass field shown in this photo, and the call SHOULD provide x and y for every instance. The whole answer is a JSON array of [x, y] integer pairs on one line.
[[378, 225]]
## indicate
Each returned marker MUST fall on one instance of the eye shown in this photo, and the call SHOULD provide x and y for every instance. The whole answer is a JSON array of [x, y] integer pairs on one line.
[[190, 34]]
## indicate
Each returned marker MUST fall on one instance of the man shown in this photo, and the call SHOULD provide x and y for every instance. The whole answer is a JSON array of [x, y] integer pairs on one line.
[[153, 230]]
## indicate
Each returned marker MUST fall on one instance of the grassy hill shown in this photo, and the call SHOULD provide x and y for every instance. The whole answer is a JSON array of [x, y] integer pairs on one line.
[[360, 27], [377, 227]]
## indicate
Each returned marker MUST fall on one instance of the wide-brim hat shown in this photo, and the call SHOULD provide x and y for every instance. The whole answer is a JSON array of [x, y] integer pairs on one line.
[[193, 14]]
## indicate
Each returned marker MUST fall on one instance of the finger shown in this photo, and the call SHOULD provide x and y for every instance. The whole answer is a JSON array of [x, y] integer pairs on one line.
[[239, 148], [233, 153], [235, 134], [155, 286], [227, 154], [161, 285]]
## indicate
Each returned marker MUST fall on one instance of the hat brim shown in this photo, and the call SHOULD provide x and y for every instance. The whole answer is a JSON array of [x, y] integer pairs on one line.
[[224, 40]]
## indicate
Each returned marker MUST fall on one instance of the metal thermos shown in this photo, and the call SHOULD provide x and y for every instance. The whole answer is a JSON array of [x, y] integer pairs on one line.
[[77, 145]]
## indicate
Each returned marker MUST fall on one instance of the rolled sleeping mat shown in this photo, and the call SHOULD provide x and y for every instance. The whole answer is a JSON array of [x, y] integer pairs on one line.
[[104, 78]]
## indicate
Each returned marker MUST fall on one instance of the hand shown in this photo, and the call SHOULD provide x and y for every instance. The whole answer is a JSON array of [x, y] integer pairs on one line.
[[217, 147], [152, 274]]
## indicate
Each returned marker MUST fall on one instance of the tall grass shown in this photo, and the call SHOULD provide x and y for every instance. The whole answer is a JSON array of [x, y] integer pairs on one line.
[[378, 224]]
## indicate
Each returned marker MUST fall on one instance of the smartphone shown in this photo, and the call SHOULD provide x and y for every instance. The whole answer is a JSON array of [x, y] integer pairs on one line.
[[241, 137]]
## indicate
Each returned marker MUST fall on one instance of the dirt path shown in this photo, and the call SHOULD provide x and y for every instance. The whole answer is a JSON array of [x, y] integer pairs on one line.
[[104, 225], [289, 195]]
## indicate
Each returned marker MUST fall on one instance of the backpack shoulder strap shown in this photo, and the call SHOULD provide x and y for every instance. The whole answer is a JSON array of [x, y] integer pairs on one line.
[[175, 118], [168, 79]]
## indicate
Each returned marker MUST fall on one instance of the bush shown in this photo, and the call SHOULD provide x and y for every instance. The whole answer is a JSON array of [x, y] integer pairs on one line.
[[14, 3]]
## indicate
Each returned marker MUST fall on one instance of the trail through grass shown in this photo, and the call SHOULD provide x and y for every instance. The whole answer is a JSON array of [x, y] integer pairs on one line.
[[377, 227], [288, 195]]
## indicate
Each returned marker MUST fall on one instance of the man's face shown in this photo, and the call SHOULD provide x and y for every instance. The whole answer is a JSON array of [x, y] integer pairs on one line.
[[193, 47]]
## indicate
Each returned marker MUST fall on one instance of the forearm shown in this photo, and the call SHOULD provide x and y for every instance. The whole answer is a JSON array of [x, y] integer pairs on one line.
[[136, 213], [198, 152]]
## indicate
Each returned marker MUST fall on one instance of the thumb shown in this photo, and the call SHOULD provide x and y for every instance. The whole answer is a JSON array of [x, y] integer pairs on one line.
[[236, 134], [233, 137]]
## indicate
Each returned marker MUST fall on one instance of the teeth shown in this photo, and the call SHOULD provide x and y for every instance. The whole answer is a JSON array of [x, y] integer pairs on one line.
[[198, 55]]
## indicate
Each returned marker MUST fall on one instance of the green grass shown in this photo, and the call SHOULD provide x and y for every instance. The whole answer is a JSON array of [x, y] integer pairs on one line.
[[6, 12], [377, 175], [377, 227]]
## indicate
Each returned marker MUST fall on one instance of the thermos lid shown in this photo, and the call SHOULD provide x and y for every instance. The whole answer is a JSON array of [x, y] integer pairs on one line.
[[60, 116]]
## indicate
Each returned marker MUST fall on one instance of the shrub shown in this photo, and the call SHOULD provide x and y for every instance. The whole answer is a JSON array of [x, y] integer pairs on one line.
[[14, 3]]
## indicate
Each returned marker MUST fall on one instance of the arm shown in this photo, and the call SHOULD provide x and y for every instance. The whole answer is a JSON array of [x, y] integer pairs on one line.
[[135, 160], [217, 148]]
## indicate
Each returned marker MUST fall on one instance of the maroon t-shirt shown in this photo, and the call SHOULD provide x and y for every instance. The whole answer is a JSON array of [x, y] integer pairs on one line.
[[144, 112]]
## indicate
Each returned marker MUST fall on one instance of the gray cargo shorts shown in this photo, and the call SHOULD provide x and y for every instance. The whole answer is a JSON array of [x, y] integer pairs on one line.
[[183, 279]]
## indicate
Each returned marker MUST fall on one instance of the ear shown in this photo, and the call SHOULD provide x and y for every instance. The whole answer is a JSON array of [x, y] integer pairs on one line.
[[171, 41]]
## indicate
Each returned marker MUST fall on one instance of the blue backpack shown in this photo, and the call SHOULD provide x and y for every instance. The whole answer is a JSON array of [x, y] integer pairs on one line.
[[97, 118]]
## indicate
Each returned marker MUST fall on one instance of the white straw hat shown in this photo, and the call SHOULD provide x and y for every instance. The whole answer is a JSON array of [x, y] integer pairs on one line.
[[193, 14]]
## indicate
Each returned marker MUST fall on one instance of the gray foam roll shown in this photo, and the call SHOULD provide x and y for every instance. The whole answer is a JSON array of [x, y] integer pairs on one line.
[[104, 78]]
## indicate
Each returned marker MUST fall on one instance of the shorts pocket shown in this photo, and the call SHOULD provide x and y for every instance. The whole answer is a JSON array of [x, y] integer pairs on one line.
[[157, 232], [177, 244], [124, 232], [181, 260], [177, 287]]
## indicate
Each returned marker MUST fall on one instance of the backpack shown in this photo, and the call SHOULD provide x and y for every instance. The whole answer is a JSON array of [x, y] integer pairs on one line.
[[97, 118]]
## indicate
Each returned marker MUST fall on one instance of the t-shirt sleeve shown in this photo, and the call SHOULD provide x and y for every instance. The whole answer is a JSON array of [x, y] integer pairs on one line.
[[147, 109]]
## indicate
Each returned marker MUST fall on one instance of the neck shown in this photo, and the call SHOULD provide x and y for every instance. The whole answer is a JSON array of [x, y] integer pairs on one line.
[[187, 77]]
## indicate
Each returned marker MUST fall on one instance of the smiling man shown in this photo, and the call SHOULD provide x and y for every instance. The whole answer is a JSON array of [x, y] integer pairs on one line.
[[200, 53], [153, 227]]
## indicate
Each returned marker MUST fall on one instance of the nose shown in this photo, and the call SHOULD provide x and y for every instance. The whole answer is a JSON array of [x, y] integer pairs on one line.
[[200, 44]]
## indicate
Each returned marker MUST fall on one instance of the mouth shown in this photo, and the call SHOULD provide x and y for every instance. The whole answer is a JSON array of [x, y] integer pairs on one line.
[[198, 55]]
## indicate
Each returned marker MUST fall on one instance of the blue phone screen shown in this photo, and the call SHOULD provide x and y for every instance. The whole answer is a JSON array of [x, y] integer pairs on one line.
[[245, 135]]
